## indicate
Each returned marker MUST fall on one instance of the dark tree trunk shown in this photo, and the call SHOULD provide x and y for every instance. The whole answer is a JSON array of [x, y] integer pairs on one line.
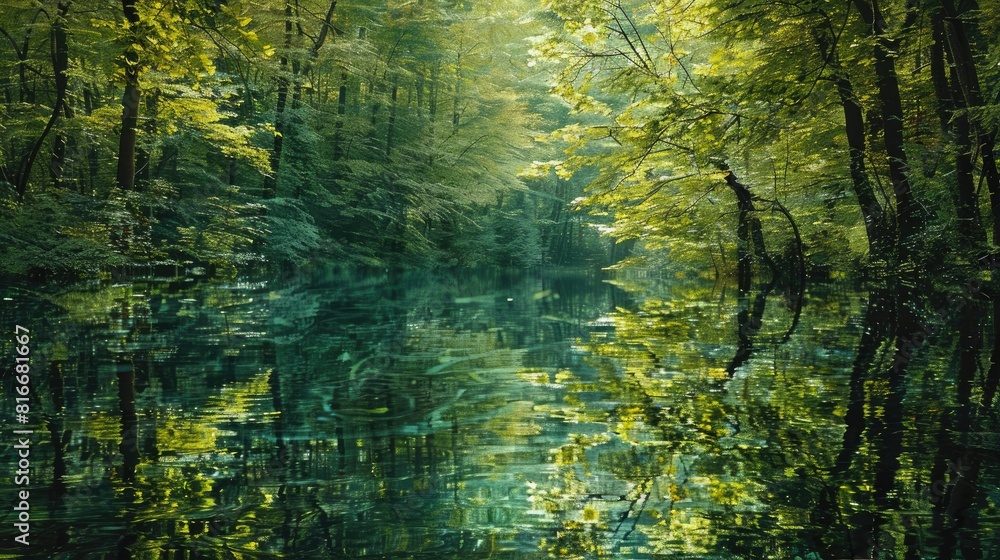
[[60, 64], [960, 22], [316, 45], [966, 201], [20, 176], [877, 223], [93, 162], [910, 221], [750, 235], [987, 145], [282, 124], [939, 75], [960, 128], [24, 93], [130, 106], [271, 180], [296, 85], [57, 164]]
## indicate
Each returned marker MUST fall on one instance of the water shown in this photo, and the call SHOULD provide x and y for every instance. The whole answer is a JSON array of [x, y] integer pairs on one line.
[[499, 415]]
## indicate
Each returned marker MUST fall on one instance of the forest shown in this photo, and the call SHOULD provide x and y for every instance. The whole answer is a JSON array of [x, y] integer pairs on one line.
[[502, 279], [229, 136], [738, 138]]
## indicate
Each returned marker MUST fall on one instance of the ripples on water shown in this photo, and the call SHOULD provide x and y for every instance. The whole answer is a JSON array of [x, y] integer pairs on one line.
[[497, 415]]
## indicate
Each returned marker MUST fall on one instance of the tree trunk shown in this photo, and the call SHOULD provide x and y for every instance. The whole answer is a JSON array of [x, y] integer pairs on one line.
[[316, 45], [749, 233], [968, 95], [60, 64], [987, 145], [282, 124], [296, 85], [271, 181], [966, 201], [20, 177], [24, 94], [877, 222], [939, 76], [130, 106], [910, 221]]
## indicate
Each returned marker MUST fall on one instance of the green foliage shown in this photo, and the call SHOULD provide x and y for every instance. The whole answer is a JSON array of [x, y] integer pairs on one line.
[[517, 243], [668, 92], [293, 240], [406, 131], [76, 246], [225, 232], [412, 166]]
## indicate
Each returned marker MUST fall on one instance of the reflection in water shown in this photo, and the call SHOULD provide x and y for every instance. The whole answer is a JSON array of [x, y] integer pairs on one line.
[[491, 415]]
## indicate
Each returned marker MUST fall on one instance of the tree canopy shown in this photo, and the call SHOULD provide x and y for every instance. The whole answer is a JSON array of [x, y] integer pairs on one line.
[[236, 134], [743, 139]]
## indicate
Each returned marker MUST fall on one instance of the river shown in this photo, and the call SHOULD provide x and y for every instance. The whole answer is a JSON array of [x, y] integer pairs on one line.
[[491, 414]]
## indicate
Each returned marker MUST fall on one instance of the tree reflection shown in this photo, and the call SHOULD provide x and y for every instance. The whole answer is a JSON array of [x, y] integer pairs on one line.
[[344, 417], [802, 445], [493, 416]]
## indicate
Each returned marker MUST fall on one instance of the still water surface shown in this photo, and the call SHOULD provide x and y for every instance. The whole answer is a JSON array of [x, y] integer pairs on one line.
[[499, 415]]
